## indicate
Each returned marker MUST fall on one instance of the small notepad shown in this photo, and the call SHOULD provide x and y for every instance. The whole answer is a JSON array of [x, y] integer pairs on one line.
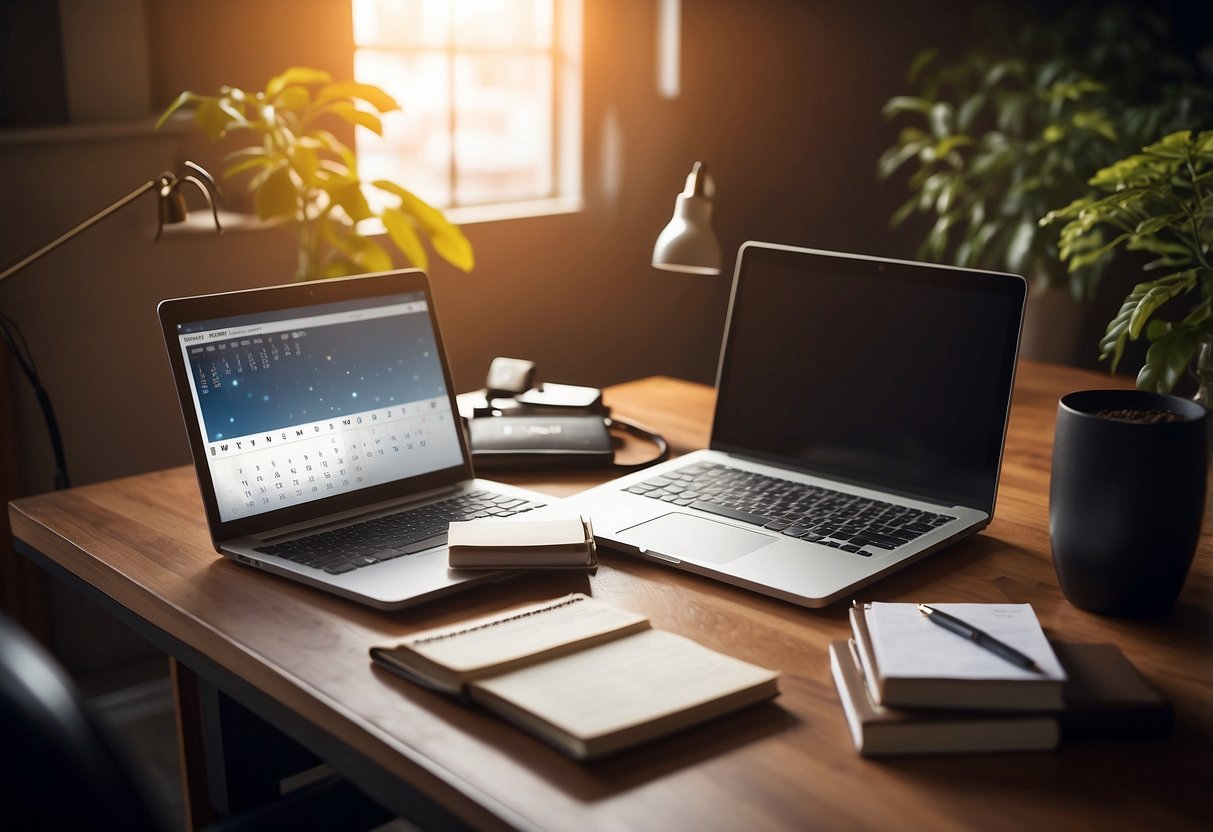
[[492, 543]]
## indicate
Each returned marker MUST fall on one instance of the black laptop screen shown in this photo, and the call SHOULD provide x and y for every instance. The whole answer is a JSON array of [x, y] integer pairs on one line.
[[301, 404], [887, 374]]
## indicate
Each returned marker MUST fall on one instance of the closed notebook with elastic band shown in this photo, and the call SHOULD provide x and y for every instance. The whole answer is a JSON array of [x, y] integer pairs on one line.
[[491, 543]]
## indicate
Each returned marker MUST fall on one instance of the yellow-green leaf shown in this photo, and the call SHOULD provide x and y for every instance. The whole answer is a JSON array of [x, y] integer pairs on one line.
[[292, 98], [365, 253], [445, 237], [248, 163], [400, 229], [369, 93], [212, 120], [296, 75], [349, 196], [454, 248], [304, 161], [233, 110], [185, 98], [276, 197], [335, 145], [353, 115]]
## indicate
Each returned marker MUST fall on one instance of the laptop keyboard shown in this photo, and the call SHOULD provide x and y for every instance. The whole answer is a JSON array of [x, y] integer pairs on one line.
[[350, 547], [822, 515]]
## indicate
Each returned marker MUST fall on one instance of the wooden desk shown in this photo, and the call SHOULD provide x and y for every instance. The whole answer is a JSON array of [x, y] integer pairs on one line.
[[299, 658]]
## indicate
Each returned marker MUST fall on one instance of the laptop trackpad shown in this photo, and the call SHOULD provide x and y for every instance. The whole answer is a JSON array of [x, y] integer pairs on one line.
[[685, 537]]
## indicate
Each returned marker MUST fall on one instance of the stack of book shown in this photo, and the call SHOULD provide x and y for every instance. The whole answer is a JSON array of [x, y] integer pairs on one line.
[[909, 686]]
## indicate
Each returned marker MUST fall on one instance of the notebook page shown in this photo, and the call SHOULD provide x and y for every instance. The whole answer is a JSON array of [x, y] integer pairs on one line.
[[906, 644], [626, 682]]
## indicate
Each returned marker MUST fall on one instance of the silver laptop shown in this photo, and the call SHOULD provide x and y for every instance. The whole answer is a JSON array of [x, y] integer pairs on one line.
[[859, 424], [325, 435]]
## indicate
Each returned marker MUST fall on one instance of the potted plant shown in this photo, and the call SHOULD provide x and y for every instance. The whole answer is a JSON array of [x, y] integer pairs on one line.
[[1158, 201], [1017, 125], [302, 174]]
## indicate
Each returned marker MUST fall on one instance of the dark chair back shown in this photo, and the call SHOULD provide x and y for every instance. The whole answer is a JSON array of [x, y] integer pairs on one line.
[[58, 767]]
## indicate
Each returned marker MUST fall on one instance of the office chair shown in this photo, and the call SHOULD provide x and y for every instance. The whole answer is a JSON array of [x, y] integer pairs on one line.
[[61, 769]]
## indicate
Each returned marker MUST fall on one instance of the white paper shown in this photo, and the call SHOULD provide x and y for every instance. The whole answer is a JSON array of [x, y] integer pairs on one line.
[[907, 644]]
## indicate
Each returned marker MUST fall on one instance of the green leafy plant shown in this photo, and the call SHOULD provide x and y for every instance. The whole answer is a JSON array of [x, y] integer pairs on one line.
[[1017, 125], [1158, 201], [300, 173]]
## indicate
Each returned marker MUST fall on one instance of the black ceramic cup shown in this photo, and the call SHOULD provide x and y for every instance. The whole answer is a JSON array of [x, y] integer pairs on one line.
[[1126, 498]]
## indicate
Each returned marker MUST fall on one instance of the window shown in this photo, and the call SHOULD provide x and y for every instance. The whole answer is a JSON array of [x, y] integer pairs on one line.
[[490, 92]]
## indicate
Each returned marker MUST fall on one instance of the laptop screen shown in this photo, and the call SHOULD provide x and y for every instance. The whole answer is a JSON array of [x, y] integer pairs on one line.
[[887, 374], [304, 403]]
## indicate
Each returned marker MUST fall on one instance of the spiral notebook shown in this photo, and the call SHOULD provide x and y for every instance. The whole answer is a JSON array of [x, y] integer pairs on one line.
[[585, 676]]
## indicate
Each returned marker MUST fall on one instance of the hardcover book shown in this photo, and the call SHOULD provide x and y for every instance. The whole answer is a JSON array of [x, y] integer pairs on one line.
[[877, 730]]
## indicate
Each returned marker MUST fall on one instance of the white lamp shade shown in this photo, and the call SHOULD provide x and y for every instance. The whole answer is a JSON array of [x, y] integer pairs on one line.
[[688, 243]]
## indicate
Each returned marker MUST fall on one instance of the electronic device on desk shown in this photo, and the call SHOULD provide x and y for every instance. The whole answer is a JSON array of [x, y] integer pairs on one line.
[[516, 423], [325, 438]]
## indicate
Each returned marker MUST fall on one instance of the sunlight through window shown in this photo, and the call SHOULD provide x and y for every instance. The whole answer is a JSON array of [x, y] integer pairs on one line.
[[490, 92]]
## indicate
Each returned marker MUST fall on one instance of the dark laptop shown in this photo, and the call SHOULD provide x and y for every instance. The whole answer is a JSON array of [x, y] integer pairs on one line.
[[325, 435], [860, 415]]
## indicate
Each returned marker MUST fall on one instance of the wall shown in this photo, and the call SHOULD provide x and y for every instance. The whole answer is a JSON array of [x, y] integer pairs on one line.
[[780, 98]]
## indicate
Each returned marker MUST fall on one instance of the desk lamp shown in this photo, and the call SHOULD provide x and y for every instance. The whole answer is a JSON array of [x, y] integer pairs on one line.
[[171, 208], [688, 243]]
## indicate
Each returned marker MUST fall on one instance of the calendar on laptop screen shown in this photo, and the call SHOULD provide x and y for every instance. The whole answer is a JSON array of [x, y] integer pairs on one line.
[[301, 404]]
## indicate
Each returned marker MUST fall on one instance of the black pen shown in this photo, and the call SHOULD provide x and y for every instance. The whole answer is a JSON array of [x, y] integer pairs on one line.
[[979, 637]]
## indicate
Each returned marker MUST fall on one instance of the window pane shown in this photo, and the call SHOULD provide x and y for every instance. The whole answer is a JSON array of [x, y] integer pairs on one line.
[[511, 23], [503, 119], [415, 150], [402, 23], [491, 91]]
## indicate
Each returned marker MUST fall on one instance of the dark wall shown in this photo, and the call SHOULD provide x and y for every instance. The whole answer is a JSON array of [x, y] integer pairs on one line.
[[780, 98]]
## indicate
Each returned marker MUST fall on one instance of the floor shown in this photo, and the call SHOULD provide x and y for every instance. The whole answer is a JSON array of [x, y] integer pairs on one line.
[[140, 716]]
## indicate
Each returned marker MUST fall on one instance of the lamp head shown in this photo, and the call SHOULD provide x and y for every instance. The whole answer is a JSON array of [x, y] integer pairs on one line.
[[171, 201], [687, 243]]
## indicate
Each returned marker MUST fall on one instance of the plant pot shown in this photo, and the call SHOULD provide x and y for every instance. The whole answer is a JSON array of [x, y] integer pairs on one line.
[[1126, 499]]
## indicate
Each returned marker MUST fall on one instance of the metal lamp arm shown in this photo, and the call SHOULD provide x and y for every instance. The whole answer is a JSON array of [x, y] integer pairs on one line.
[[166, 183], [88, 223]]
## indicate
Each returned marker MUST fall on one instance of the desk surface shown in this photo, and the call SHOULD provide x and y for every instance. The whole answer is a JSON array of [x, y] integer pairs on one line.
[[142, 542]]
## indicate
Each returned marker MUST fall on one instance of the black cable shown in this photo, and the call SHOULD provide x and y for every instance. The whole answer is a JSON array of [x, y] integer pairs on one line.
[[663, 447], [19, 347]]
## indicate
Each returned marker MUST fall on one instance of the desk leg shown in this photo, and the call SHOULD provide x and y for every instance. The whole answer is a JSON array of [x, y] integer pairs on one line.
[[247, 758], [194, 786], [231, 760]]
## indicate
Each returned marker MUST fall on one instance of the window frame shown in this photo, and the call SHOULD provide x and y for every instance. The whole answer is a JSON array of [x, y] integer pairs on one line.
[[565, 55]]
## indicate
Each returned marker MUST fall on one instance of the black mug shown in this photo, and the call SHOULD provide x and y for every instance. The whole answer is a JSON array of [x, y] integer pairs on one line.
[[1126, 498]]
